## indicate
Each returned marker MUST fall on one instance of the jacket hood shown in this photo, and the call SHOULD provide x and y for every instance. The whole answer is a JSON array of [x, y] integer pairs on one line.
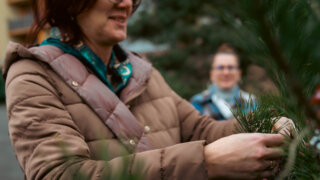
[[15, 52]]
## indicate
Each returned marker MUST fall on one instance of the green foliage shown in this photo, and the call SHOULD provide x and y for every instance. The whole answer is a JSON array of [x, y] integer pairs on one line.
[[261, 119], [193, 30], [285, 30], [280, 35], [248, 122], [190, 73]]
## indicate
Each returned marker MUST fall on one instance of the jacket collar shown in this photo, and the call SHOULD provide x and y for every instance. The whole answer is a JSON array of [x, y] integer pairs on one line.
[[137, 84]]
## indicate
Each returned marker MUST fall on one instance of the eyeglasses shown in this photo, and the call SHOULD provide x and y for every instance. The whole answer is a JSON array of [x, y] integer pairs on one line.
[[134, 2], [230, 68]]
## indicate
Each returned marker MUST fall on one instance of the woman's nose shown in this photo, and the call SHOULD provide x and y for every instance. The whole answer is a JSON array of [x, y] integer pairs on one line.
[[125, 3], [226, 70]]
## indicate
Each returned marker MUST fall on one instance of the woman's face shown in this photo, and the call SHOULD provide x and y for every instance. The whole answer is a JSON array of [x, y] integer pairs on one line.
[[105, 24], [225, 72]]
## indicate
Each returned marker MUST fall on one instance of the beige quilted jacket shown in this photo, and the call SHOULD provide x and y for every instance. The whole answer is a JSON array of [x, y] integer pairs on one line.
[[64, 121]]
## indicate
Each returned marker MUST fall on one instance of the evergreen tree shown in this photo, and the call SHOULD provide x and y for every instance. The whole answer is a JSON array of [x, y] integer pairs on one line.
[[193, 31], [280, 35]]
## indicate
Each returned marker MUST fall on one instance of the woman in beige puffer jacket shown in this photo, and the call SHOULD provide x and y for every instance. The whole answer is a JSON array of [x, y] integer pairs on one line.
[[65, 120]]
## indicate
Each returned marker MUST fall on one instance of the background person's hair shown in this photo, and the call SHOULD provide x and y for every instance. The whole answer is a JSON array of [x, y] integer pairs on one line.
[[61, 14], [226, 49]]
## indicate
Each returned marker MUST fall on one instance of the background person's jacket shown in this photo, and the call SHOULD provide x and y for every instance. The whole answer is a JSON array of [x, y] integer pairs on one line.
[[59, 128], [214, 103]]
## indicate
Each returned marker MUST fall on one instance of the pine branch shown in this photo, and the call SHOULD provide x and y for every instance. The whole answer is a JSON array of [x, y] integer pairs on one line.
[[281, 61], [292, 154], [260, 117], [299, 159]]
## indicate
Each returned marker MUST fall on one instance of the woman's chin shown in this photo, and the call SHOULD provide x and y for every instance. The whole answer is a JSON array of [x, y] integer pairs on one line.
[[112, 41], [118, 39], [226, 86]]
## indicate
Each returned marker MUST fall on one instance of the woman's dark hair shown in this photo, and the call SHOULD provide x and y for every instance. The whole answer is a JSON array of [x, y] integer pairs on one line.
[[61, 14]]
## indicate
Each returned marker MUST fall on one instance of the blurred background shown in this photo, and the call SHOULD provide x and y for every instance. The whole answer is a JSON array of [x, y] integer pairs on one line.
[[179, 37], [15, 20]]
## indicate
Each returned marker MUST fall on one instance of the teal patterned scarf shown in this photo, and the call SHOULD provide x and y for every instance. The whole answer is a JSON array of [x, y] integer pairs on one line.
[[119, 68]]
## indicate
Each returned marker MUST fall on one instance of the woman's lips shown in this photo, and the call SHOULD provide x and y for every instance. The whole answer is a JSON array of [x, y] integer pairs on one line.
[[119, 20]]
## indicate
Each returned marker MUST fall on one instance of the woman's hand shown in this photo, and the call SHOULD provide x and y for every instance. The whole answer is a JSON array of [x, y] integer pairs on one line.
[[244, 156], [285, 127]]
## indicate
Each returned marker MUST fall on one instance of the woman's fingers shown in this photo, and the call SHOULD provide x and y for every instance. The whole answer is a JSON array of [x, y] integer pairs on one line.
[[243, 156], [267, 174], [273, 153], [273, 140], [270, 171], [285, 126]]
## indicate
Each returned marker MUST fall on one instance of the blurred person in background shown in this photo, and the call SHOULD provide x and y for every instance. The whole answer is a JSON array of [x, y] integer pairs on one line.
[[224, 93], [82, 107]]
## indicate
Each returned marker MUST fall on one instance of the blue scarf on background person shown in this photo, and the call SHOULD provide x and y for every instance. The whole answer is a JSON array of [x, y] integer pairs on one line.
[[228, 95], [218, 103], [119, 64]]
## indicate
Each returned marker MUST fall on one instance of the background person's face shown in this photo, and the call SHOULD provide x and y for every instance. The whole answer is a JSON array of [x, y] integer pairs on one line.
[[222, 73], [106, 23]]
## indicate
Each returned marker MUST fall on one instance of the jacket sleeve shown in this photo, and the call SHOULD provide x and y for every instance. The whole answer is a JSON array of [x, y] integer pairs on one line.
[[49, 145], [195, 126]]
